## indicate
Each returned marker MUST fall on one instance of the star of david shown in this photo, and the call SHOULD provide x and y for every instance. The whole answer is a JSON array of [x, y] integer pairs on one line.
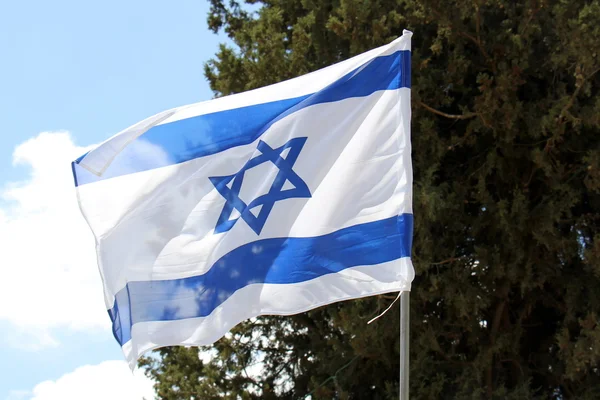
[[231, 193]]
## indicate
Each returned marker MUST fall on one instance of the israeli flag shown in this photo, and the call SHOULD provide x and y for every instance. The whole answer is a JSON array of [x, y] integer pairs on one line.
[[273, 201]]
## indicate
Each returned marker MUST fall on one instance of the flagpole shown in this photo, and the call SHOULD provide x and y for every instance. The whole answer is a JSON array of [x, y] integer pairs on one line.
[[404, 348]]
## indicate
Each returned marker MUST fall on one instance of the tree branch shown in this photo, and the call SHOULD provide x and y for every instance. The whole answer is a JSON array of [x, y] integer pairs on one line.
[[498, 316], [450, 116], [495, 326], [478, 25], [574, 95], [562, 116], [533, 14], [475, 40], [449, 260]]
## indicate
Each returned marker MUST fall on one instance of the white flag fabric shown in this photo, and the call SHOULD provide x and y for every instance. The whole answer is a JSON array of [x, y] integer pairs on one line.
[[272, 201]]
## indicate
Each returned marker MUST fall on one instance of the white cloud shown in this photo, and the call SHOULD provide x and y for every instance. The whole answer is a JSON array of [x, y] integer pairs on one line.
[[29, 338], [18, 395], [108, 380], [49, 277]]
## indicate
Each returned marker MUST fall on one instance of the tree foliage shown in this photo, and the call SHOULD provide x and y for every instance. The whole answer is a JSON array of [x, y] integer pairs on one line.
[[506, 153]]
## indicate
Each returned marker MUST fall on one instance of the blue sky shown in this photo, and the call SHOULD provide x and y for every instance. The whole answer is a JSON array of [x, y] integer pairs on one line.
[[89, 69], [94, 68]]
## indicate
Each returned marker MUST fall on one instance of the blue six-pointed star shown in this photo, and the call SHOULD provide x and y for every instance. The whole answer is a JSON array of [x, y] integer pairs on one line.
[[267, 201]]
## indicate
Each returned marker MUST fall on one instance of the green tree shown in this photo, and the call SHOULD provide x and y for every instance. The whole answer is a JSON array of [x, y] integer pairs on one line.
[[506, 153]]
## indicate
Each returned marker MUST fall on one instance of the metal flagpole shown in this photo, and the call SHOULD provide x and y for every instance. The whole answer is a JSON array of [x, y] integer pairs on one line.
[[404, 335]]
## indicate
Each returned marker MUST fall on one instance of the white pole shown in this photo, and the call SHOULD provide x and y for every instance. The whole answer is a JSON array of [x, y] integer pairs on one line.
[[404, 347]]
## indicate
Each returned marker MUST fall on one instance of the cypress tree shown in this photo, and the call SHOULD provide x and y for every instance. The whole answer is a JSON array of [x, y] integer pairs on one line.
[[506, 154]]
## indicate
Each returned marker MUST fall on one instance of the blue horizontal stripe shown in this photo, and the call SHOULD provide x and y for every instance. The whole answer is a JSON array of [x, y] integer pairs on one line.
[[208, 134], [279, 261]]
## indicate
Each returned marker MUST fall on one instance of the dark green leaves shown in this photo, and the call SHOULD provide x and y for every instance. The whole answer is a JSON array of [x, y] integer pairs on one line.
[[506, 153]]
